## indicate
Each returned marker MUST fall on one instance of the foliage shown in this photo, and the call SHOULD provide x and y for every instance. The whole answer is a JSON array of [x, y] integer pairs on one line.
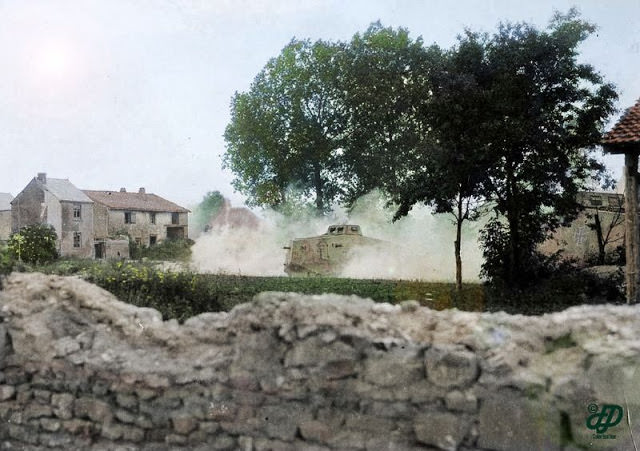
[[34, 244], [206, 210], [451, 162], [385, 81], [183, 294], [283, 131], [544, 116], [169, 249]]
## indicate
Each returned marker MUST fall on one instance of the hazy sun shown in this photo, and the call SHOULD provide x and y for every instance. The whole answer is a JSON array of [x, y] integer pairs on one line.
[[54, 60]]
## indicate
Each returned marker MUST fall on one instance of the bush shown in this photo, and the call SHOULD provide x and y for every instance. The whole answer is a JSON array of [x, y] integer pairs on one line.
[[178, 249], [35, 244]]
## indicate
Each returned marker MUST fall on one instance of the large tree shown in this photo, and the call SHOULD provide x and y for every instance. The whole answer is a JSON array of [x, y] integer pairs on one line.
[[543, 117], [451, 164], [385, 76], [284, 130]]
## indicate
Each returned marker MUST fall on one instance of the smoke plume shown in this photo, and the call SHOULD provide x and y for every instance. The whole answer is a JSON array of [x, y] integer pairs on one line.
[[421, 244]]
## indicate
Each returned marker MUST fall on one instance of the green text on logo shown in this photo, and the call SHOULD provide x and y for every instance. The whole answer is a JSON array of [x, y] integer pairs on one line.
[[601, 421]]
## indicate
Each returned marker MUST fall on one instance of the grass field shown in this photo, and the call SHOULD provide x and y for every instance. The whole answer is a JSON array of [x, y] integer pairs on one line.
[[181, 294]]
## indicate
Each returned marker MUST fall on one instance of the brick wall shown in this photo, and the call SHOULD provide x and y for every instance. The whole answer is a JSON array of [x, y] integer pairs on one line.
[[81, 370]]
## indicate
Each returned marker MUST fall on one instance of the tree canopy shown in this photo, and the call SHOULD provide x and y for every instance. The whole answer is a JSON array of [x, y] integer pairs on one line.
[[509, 120]]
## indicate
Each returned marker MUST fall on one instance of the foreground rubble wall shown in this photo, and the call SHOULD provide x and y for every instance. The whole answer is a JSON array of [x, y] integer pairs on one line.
[[81, 370]]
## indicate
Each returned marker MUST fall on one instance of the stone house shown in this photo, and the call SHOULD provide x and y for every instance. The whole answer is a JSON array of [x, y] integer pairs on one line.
[[59, 203], [579, 240], [145, 217], [5, 216]]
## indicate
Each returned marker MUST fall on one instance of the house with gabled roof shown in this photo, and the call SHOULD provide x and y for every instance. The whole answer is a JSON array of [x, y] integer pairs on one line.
[[59, 203], [5, 216], [145, 217]]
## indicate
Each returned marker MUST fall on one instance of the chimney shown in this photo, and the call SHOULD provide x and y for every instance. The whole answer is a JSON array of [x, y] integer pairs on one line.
[[142, 190], [123, 190], [42, 177]]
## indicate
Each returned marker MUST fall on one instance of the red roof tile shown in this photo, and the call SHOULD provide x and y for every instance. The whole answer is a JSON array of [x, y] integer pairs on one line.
[[626, 130], [118, 200]]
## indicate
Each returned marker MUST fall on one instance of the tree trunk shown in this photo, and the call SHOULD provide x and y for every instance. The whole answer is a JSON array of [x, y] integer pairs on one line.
[[601, 243], [459, 220], [317, 181]]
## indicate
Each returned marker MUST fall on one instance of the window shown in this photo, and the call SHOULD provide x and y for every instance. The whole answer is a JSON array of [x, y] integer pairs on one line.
[[77, 241], [152, 218], [129, 217], [153, 239], [175, 218], [138, 240], [77, 212]]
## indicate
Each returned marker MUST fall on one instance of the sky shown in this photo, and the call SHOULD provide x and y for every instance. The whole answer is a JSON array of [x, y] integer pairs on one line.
[[136, 93]]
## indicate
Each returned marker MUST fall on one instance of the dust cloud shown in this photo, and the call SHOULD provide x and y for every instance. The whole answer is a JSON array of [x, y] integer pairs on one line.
[[421, 244]]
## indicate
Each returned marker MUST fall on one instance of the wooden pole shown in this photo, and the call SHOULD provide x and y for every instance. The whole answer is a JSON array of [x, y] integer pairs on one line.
[[631, 225]]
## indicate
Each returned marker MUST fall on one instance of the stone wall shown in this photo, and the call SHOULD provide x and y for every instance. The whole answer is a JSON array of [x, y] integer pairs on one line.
[[81, 370]]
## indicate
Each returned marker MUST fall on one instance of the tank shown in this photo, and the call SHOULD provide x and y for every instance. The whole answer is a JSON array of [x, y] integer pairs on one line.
[[327, 254]]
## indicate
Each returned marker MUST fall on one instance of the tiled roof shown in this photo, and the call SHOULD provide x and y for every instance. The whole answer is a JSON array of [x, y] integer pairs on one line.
[[63, 189], [118, 200], [5, 201], [626, 130]]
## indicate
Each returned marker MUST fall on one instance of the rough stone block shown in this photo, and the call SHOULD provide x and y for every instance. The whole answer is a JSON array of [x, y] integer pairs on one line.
[[50, 424], [441, 429], [95, 409], [461, 401], [62, 405], [36, 411], [313, 351], [184, 424], [7, 392], [282, 421], [391, 369], [125, 400], [451, 366], [513, 422], [316, 431]]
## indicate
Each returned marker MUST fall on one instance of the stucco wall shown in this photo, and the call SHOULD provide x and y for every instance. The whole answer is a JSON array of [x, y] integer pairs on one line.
[[143, 228], [5, 225], [70, 225], [81, 370], [26, 208]]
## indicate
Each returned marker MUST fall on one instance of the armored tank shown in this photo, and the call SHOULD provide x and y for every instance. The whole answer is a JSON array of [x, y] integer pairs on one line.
[[328, 253]]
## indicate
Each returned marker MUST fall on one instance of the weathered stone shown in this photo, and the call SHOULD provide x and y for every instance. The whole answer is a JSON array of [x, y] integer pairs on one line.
[[49, 424], [224, 442], [316, 431], [62, 405], [451, 366], [94, 409], [314, 373], [282, 421], [461, 402], [36, 411], [314, 351], [511, 422], [388, 369], [7, 392], [441, 429], [128, 401], [183, 424]]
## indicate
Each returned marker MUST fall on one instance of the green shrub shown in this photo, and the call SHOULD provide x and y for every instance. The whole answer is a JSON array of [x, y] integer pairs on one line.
[[34, 244], [176, 249]]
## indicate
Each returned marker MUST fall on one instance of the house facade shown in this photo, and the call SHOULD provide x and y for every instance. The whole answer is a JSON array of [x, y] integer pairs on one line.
[[602, 219], [96, 223], [145, 217], [5, 216], [59, 203]]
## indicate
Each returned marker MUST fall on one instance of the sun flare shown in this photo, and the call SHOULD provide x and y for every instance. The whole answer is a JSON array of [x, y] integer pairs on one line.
[[54, 60]]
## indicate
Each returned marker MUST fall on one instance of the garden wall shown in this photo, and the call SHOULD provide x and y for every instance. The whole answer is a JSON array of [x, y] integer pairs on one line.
[[81, 370]]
